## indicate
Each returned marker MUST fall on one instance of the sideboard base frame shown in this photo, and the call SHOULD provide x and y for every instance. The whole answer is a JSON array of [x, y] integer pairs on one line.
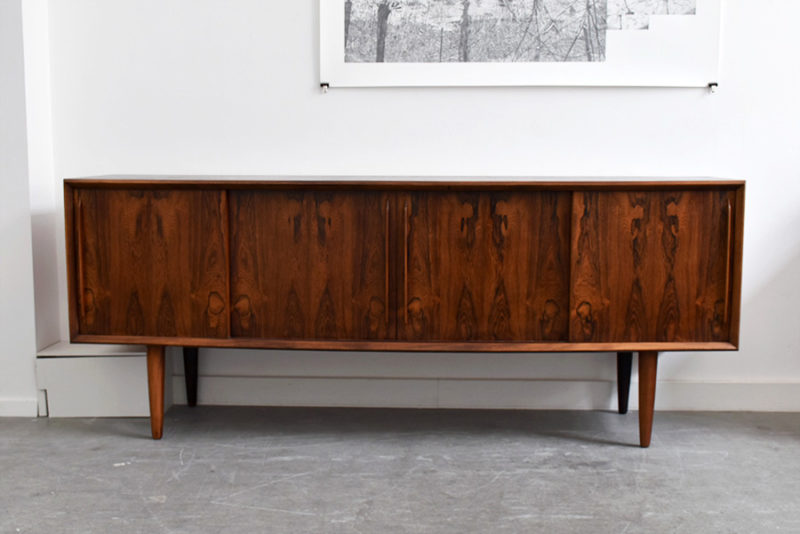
[[407, 346]]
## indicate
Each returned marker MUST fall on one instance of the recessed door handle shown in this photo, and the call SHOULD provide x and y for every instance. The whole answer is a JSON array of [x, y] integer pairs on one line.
[[386, 269], [405, 261], [728, 260], [78, 202]]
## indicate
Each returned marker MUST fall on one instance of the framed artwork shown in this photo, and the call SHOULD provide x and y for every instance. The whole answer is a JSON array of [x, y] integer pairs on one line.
[[644, 43]]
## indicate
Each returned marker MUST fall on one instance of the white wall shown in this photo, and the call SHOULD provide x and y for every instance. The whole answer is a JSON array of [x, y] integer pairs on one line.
[[44, 209], [17, 331], [214, 86]]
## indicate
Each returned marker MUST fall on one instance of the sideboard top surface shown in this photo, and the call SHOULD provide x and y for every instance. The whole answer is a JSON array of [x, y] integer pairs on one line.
[[400, 183]]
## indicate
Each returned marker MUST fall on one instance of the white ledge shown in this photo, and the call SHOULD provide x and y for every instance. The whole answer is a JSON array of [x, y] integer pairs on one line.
[[65, 349]]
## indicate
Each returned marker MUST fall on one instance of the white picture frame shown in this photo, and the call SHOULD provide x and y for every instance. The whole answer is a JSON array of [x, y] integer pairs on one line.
[[675, 51]]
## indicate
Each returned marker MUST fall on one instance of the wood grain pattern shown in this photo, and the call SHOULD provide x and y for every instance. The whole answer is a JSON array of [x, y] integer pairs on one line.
[[309, 265], [152, 263], [153, 317], [487, 266], [650, 266]]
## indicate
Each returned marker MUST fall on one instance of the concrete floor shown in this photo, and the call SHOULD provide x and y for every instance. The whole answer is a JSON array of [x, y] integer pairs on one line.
[[288, 470]]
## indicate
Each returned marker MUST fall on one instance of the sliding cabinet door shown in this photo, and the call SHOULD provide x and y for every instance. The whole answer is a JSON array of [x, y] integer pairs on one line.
[[651, 266], [151, 262], [484, 266], [310, 265]]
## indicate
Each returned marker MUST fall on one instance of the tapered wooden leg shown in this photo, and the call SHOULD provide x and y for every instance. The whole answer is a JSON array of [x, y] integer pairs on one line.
[[155, 383], [190, 355], [624, 360], [648, 365]]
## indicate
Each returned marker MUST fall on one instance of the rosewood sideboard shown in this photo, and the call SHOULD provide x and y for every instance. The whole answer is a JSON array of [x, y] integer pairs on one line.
[[622, 266]]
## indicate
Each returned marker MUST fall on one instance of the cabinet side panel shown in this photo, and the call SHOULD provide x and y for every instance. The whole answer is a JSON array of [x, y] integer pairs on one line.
[[70, 208], [738, 244], [152, 263], [650, 266], [309, 264], [487, 266]]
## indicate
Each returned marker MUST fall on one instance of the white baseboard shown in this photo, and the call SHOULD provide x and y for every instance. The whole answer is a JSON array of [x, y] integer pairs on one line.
[[116, 386], [11, 407], [94, 386], [488, 394], [724, 396]]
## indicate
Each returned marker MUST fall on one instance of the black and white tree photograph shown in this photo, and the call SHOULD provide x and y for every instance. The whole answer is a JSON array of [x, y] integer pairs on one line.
[[492, 31], [603, 43]]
